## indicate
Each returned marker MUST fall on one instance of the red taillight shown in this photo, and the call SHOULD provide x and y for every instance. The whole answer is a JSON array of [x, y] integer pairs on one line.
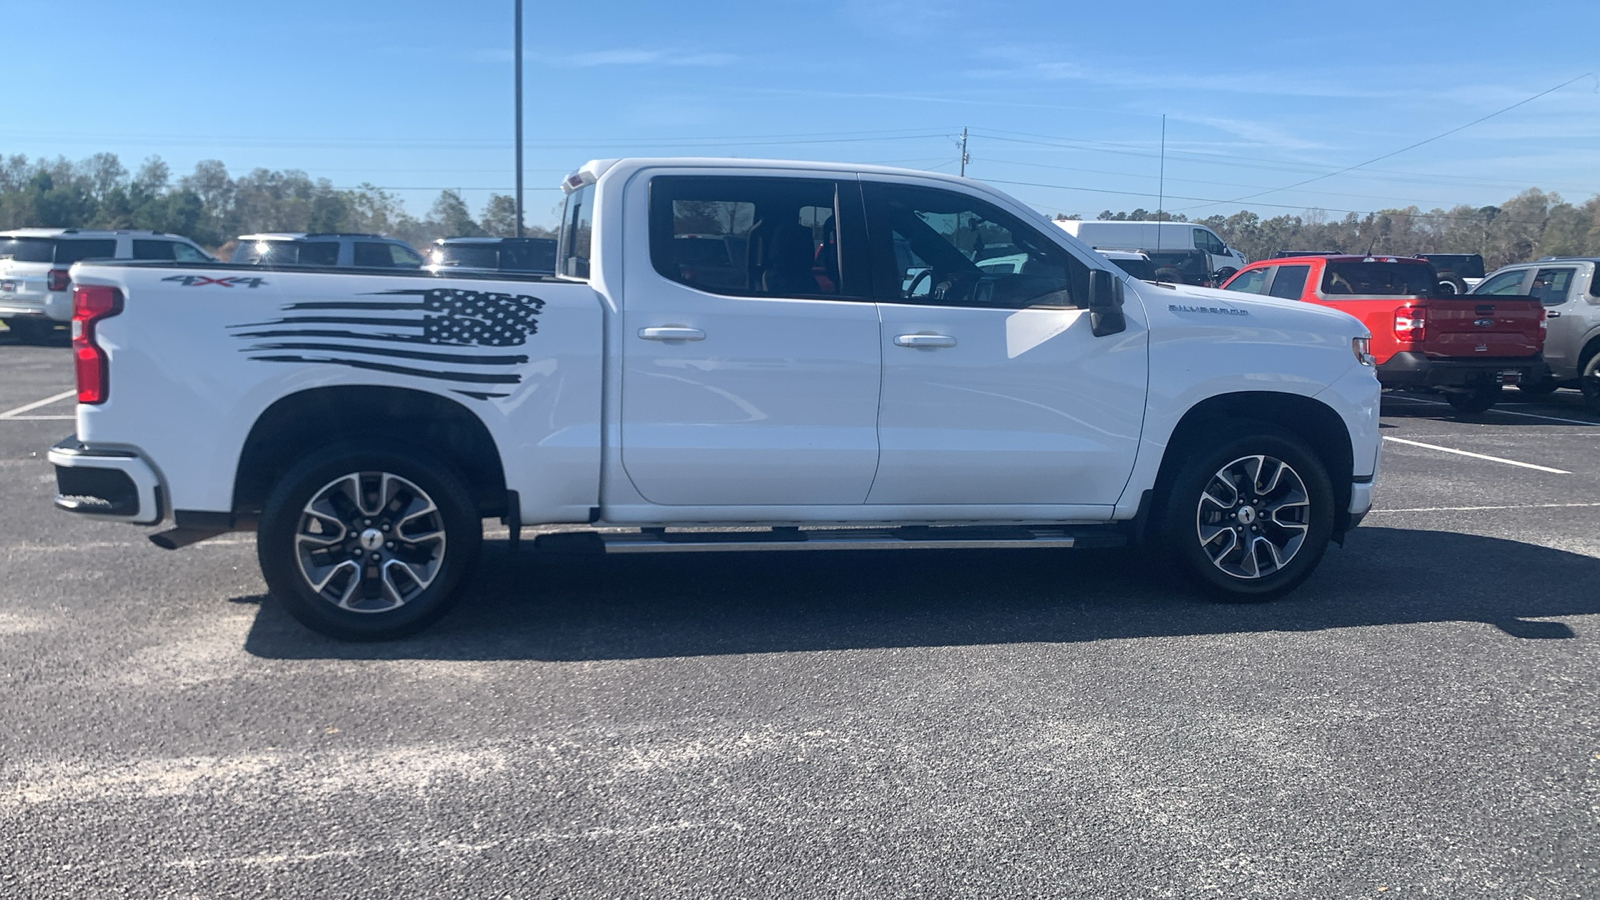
[[58, 280], [89, 306], [1410, 324]]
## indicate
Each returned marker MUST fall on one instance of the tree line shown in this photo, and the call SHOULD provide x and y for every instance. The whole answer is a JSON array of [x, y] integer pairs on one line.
[[213, 207], [1530, 225]]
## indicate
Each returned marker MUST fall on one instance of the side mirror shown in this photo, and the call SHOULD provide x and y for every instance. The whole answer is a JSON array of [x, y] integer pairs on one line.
[[1105, 304]]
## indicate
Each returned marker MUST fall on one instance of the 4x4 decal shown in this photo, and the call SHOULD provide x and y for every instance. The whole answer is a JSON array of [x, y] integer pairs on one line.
[[374, 335], [227, 281]]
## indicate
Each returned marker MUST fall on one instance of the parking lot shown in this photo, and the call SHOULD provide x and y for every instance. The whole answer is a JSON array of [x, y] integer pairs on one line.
[[1421, 719]]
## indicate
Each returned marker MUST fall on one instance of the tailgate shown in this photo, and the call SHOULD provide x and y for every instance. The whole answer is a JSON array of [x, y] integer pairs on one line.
[[1498, 326]]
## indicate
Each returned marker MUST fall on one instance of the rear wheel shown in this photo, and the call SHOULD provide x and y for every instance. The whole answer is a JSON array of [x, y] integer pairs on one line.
[[1249, 516], [365, 544], [1477, 400], [1451, 285], [1589, 383]]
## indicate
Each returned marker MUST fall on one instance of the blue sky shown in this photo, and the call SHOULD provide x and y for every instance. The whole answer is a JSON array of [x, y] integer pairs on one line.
[[1063, 100]]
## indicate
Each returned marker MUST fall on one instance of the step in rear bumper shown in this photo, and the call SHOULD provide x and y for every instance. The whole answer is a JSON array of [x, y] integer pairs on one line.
[[116, 485]]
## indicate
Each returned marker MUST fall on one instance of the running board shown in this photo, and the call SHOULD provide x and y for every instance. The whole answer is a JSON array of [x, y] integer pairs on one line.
[[905, 538]]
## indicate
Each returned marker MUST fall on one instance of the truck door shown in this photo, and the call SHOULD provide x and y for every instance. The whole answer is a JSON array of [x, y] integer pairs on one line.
[[995, 391], [750, 360]]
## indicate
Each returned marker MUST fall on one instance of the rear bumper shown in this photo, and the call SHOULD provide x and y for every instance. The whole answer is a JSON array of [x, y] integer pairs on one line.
[[56, 307], [1412, 370], [117, 485]]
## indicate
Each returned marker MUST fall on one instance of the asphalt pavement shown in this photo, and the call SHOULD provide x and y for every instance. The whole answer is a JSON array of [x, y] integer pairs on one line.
[[1421, 719]]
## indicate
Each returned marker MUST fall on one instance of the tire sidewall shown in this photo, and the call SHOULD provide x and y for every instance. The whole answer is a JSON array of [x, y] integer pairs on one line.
[[280, 522], [1210, 453]]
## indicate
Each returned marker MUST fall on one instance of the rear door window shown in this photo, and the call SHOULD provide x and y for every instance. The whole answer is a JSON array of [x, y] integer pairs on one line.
[[68, 252], [317, 253], [1504, 283], [186, 253], [1551, 286], [1290, 283], [154, 250], [385, 255], [1250, 281], [577, 229]]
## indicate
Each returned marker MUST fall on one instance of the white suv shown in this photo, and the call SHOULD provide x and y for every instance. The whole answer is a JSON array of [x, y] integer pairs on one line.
[[341, 249], [35, 289]]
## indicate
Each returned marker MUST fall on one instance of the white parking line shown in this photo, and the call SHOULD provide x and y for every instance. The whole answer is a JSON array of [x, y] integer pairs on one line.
[[1430, 509], [17, 413], [1509, 462], [1503, 412], [41, 419]]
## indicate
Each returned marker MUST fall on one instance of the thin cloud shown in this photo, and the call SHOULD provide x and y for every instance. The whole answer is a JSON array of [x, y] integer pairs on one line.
[[638, 57]]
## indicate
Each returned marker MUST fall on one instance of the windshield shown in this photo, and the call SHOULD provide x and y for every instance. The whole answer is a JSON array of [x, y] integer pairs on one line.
[[1378, 279]]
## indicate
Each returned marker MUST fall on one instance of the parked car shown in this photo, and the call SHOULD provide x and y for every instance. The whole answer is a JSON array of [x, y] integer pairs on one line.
[[364, 423], [1169, 266], [1569, 288], [343, 250], [493, 254], [1465, 348], [35, 290], [1458, 272], [1147, 236]]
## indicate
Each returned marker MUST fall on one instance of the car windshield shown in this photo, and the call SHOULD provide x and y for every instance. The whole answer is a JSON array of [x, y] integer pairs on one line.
[[1379, 279]]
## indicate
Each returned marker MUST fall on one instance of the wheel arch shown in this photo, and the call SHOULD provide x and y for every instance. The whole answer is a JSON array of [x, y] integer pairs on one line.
[[302, 422], [1307, 418]]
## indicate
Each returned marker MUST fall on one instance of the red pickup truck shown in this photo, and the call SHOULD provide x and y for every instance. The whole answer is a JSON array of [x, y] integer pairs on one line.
[[1463, 347]]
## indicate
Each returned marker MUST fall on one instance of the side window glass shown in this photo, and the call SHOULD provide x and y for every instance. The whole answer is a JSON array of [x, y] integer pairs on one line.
[[153, 250], [941, 247], [1504, 283], [186, 253], [368, 253], [1210, 243], [577, 228], [68, 252], [403, 257], [1291, 282], [747, 236], [1250, 281], [319, 253], [1550, 286]]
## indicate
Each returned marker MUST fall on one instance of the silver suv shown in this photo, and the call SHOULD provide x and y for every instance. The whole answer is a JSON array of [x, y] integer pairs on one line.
[[343, 249], [35, 287], [1569, 287]]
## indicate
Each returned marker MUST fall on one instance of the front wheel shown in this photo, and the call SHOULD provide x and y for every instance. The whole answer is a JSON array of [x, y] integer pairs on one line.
[[1249, 515], [1589, 383], [1477, 400], [365, 544]]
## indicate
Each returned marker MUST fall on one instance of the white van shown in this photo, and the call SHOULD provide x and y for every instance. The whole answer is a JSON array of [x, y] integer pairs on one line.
[[1159, 236]]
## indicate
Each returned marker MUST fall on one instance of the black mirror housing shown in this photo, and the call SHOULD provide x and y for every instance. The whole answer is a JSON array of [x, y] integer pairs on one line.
[[1105, 304]]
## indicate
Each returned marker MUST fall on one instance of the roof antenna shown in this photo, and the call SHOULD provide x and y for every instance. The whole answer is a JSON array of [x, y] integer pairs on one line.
[[1161, 181]]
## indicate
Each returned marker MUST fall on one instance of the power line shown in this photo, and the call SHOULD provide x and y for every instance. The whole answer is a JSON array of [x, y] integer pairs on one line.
[[1414, 146]]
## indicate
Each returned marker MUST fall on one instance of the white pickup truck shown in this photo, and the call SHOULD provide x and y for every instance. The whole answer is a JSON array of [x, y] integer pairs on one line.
[[732, 355]]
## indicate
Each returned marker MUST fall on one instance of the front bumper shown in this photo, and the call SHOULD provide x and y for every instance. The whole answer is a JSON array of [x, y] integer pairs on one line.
[[117, 485], [1360, 502], [1415, 370]]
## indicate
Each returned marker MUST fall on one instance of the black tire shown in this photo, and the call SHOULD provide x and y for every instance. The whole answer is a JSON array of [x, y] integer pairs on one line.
[[1281, 546], [1477, 400], [1589, 383], [1223, 275], [1451, 284], [399, 585], [1538, 388]]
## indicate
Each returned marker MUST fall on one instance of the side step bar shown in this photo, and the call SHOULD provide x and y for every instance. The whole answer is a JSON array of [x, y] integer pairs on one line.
[[905, 538]]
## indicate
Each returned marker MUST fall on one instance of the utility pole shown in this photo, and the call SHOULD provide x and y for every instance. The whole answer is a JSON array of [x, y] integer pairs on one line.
[[517, 52], [964, 157]]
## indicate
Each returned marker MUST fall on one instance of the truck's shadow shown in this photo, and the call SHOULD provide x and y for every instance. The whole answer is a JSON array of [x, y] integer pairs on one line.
[[527, 607]]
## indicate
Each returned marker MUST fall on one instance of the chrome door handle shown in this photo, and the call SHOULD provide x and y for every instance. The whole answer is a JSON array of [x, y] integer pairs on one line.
[[924, 340], [671, 333], [1552, 314]]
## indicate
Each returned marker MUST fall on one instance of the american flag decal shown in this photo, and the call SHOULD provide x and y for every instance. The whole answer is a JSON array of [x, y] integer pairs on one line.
[[388, 333]]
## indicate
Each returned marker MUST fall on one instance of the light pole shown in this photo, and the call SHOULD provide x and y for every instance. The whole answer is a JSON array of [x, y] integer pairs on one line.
[[518, 67]]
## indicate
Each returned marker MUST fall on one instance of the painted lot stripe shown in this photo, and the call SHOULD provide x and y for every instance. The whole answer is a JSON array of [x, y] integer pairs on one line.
[[41, 419], [1431, 509], [1509, 462], [17, 413], [1503, 412]]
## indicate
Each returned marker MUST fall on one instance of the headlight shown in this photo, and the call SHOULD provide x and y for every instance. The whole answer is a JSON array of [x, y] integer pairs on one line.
[[1359, 347]]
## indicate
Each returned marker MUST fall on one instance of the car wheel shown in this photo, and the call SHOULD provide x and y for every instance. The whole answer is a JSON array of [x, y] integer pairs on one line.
[[1249, 513], [1451, 285], [1477, 400], [1589, 383], [364, 544]]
